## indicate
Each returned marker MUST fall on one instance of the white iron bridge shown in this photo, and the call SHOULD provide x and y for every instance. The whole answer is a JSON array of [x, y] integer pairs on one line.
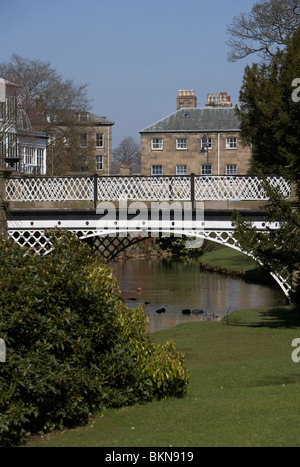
[[111, 213]]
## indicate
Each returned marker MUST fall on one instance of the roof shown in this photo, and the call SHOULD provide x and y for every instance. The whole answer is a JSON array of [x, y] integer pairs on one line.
[[99, 120], [67, 115], [197, 120], [9, 83]]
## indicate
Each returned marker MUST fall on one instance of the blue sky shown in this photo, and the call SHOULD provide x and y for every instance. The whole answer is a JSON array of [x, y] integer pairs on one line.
[[134, 54]]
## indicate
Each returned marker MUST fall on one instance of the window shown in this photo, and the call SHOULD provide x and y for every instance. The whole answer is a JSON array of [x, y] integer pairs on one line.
[[206, 169], [40, 159], [99, 140], [83, 117], [83, 140], [231, 143], [2, 110], [29, 156], [33, 160], [156, 170], [181, 143], [231, 169], [203, 143], [181, 169], [99, 162], [157, 143], [9, 146]]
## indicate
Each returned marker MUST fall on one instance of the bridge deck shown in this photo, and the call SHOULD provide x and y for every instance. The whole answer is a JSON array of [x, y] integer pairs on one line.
[[90, 219]]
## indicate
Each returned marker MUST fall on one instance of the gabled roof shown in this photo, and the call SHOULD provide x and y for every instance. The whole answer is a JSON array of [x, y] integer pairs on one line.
[[197, 120]]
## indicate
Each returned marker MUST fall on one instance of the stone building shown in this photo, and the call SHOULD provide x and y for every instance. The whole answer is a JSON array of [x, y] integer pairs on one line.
[[96, 143], [204, 141], [79, 142], [74, 141]]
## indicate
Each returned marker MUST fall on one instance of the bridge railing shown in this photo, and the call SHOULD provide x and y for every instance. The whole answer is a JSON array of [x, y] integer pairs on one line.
[[143, 188], [241, 188]]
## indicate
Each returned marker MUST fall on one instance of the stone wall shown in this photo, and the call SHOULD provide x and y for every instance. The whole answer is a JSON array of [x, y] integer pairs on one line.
[[193, 157]]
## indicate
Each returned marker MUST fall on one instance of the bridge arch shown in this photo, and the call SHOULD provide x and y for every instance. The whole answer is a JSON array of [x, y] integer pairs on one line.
[[36, 238], [224, 238]]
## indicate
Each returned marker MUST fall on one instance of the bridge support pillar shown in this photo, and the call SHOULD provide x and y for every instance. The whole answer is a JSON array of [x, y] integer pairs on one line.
[[4, 174]]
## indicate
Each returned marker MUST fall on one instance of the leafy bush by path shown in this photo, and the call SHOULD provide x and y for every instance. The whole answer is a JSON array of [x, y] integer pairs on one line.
[[72, 346]]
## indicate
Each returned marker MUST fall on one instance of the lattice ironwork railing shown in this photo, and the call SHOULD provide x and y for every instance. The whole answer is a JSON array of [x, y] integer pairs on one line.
[[49, 189], [39, 242], [238, 188], [173, 188], [144, 188]]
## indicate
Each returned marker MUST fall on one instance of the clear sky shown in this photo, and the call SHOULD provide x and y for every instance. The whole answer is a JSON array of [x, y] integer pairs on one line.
[[135, 55]]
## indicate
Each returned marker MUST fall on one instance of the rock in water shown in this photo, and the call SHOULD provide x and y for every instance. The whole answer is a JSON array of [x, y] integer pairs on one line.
[[198, 312], [186, 312]]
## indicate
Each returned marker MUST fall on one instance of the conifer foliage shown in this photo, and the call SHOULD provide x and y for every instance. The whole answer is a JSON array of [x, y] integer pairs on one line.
[[270, 122]]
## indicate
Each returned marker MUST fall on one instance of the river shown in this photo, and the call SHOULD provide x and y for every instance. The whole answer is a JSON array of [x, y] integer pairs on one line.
[[176, 285]]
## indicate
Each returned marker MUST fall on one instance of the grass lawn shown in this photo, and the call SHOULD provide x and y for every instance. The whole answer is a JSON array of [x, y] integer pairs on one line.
[[229, 258], [244, 390]]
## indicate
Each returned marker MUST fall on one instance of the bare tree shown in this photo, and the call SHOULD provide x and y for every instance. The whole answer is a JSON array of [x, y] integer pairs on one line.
[[265, 30], [128, 151], [52, 105], [71, 147], [41, 83]]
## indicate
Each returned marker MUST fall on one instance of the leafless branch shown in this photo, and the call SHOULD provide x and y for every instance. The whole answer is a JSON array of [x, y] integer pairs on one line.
[[265, 30]]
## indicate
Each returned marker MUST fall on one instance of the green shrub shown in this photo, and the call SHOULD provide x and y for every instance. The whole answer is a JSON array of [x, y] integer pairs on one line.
[[68, 354], [178, 246], [161, 363]]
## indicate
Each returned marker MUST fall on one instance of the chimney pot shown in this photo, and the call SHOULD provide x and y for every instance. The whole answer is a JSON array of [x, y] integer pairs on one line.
[[186, 99]]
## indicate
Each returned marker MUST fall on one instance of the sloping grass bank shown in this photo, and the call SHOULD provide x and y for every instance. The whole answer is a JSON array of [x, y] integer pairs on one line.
[[229, 261], [244, 390]]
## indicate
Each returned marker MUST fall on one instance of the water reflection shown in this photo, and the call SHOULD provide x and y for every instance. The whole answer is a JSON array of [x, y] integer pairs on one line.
[[176, 285]]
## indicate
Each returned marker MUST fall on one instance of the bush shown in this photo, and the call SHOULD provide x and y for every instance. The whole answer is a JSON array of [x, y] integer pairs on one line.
[[71, 345], [162, 364], [178, 246]]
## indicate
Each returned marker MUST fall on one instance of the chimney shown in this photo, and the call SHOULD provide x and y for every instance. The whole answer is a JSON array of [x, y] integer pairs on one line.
[[218, 100], [124, 169], [186, 99]]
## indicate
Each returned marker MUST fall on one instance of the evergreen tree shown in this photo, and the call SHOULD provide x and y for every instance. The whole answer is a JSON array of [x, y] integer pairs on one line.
[[261, 117], [270, 122], [291, 108], [270, 118], [278, 249]]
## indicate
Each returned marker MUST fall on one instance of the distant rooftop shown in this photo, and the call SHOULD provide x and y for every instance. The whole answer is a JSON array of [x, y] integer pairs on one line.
[[83, 117], [100, 120], [196, 119]]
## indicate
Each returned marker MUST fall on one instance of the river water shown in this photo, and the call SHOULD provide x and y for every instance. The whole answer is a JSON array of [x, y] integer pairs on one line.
[[176, 285]]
